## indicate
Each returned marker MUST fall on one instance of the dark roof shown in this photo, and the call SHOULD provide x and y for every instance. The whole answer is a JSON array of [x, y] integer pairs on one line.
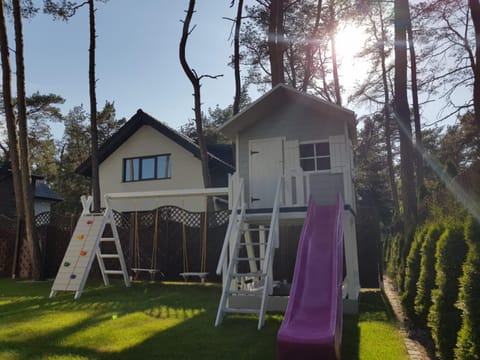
[[281, 94], [136, 122], [223, 152], [5, 171], [42, 191]]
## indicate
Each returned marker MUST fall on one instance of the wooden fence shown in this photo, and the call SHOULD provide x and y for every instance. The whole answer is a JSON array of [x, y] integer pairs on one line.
[[169, 240]]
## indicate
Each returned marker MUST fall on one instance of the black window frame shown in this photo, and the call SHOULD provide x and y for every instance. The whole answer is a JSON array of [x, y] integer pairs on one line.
[[315, 157], [140, 166]]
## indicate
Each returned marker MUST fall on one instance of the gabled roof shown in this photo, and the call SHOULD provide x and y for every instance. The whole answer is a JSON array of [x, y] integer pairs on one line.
[[275, 98], [143, 119], [43, 191]]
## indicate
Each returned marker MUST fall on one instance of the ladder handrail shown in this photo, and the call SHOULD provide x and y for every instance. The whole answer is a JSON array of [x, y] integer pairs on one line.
[[233, 222], [273, 234]]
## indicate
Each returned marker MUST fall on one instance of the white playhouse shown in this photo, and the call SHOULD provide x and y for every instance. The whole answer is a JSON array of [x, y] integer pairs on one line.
[[289, 147]]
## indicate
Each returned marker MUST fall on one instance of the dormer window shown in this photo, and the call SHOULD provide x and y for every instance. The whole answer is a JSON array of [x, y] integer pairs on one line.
[[315, 156], [147, 168]]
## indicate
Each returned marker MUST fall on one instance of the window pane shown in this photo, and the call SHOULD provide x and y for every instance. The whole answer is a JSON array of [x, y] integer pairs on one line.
[[322, 149], [323, 163], [136, 169], [306, 150], [307, 164], [127, 171], [148, 168], [131, 170], [163, 167]]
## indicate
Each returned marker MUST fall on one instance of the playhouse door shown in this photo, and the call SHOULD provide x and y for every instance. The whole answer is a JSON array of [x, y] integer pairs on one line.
[[266, 166]]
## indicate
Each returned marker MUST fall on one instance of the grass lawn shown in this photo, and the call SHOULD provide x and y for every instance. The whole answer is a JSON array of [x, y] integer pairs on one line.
[[161, 321]]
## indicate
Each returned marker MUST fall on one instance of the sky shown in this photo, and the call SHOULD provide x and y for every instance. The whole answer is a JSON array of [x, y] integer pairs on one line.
[[137, 62]]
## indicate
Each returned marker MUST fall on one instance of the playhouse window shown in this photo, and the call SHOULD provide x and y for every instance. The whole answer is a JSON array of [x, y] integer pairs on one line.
[[147, 168], [315, 156]]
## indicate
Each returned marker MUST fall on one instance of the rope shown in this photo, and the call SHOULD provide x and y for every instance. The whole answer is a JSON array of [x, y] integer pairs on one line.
[[204, 242], [137, 244], [153, 262], [184, 246]]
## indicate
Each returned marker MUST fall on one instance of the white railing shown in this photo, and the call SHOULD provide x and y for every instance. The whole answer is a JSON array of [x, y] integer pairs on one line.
[[273, 235], [234, 226]]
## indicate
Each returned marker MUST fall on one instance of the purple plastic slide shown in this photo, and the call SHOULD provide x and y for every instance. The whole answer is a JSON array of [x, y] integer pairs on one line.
[[312, 327]]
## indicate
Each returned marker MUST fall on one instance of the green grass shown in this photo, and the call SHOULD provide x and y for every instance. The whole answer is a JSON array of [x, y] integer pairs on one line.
[[161, 321]]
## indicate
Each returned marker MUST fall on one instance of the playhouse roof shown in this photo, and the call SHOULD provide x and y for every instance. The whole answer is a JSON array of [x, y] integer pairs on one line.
[[136, 122], [279, 96]]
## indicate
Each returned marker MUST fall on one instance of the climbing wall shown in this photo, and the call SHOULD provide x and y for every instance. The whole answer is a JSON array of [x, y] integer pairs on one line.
[[79, 256]]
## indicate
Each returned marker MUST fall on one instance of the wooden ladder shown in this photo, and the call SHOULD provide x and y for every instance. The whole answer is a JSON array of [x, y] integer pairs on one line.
[[84, 246], [256, 282]]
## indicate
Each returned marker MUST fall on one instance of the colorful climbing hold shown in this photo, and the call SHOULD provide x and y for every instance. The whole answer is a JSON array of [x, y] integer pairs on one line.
[[89, 222], [73, 276], [83, 253], [66, 264], [80, 237]]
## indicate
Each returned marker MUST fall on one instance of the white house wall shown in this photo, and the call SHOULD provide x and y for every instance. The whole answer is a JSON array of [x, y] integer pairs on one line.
[[186, 172]]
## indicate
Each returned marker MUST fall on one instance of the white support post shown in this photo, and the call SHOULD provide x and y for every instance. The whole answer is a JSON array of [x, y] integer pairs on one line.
[[351, 257]]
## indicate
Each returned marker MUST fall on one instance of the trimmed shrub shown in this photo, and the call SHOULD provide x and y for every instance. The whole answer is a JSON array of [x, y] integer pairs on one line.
[[468, 342], [426, 279], [412, 271], [405, 244], [444, 318], [394, 245]]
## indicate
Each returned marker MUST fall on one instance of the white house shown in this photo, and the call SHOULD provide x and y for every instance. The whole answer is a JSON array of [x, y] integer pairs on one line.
[[147, 155]]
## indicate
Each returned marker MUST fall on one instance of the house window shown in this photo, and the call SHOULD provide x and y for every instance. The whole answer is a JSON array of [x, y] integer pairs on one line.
[[147, 168], [315, 156]]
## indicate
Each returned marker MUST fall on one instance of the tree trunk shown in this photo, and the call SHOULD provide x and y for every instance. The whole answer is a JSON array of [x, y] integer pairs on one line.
[[93, 109], [403, 116], [11, 133], [236, 59], [195, 80], [275, 41], [474, 6], [27, 188], [333, 30], [416, 113], [310, 49], [336, 81], [387, 114]]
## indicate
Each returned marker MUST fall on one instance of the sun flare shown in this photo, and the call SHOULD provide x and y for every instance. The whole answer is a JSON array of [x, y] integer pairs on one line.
[[349, 41]]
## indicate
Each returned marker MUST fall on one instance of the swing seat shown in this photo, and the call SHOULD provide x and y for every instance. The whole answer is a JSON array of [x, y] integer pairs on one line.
[[152, 272], [201, 275]]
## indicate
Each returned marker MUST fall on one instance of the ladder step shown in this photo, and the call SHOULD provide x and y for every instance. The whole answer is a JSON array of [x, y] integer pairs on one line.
[[109, 256], [242, 311], [251, 274], [107, 239], [114, 272], [253, 243], [255, 229], [248, 258], [255, 291]]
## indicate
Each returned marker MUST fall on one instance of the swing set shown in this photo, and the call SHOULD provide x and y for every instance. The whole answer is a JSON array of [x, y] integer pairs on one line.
[[153, 270]]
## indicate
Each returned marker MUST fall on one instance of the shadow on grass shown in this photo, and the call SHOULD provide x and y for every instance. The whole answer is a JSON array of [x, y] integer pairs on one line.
[[191, 310]]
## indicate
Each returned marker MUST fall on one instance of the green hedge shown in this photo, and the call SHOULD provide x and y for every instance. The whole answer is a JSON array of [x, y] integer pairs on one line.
[[394, 246], [444, 319], [412, 271], [426, 279], [468, 343]]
